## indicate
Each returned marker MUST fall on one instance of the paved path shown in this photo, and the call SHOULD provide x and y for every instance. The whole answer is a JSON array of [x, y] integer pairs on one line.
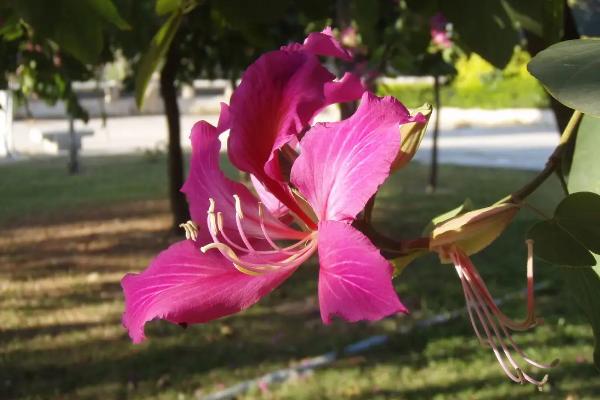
[[500, 138]]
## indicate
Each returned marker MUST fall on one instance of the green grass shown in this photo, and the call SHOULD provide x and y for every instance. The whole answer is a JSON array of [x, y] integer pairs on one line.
[[60, 301], [496, 94], [43, 187]]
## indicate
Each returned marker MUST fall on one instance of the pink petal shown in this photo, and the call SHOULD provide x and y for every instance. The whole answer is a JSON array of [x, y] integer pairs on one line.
[[349, 88], [183, 285], [224, 119], [355, 281], [206, 180], [322, 44], [342, 164], [271, 203], [278, 97]]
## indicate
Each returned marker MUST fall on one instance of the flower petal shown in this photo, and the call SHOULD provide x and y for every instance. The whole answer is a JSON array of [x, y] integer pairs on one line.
[[349, 88], [277, 98], [355, 281], [224, 119], [184, 285], [342, 164], [206, 180], [271, 203], [322, 44]]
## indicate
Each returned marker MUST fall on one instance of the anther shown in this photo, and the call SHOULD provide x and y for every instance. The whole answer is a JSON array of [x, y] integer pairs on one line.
[[238, 206], [211, 222], [220, 221], [191, 230]]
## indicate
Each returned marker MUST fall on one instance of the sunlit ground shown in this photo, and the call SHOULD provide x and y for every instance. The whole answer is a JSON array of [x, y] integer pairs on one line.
[[65, 242]]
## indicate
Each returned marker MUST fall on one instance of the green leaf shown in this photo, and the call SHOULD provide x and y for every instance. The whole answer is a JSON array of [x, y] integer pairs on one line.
[[107, 10], [466, 206], [400, 263], [164, 7], [557, 246], [569, 71], [553, 17], [527, 14], [579, 214], [366, 15], [484, 27], [75, 25], [573, 234], [584, 284], [585, 170], [79, 32], [154, 55], [243, 13], [543, 18]]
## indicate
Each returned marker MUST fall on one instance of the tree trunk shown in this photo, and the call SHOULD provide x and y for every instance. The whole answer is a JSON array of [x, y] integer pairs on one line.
[[433, 173], [168, 92], [73, 164], [344, 20]]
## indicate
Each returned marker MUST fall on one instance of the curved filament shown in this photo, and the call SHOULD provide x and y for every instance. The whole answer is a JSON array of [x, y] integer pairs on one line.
[[485, 316], [244, 256]]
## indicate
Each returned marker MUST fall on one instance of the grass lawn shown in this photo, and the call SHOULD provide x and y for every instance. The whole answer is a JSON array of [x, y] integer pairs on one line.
[[65, 242]]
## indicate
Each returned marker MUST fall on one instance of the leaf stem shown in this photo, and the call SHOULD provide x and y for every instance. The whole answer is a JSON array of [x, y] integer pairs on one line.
[[552, 165], [536, 210], [561, 179]]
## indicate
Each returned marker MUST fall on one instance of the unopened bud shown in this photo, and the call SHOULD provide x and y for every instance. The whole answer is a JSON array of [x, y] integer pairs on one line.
[[473, 231], [411, 135]]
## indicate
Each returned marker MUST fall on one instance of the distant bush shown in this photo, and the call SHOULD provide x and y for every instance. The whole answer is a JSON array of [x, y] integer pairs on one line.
[[478, 85]]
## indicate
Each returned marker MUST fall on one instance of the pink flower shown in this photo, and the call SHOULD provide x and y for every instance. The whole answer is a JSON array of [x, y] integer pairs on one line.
[[438, 29], [235, 253], [349, 37]]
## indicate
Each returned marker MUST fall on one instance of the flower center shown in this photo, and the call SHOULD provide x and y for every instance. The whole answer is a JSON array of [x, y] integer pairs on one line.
[[245, 256], [485, 314]]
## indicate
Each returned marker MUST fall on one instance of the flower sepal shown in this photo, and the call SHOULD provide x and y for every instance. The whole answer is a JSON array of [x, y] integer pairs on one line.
[[472, 231], [412, 133]]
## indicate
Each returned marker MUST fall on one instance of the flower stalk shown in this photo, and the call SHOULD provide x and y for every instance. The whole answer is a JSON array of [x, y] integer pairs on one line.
[[552, 165]]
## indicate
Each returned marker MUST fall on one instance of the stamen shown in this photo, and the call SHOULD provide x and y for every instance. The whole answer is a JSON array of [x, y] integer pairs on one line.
[[470, 305], [264, 230], [491, 340], [191, 230], [238, 206], [251, 268], [490, 318], [230, 242], [297, 252], [212, 225], [239, 215], [530, 320], [530, 289]]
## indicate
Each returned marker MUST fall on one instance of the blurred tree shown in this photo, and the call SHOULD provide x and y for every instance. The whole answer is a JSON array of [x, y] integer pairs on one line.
[[220, 38], [212, 39], [45, 47]]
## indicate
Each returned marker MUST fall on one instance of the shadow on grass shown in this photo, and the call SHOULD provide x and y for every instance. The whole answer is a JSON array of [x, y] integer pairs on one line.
[[69, 266]]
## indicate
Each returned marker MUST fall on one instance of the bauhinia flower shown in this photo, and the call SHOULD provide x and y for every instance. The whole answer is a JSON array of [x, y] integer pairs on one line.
[[311, 182], [438, 28], [457, 238]]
